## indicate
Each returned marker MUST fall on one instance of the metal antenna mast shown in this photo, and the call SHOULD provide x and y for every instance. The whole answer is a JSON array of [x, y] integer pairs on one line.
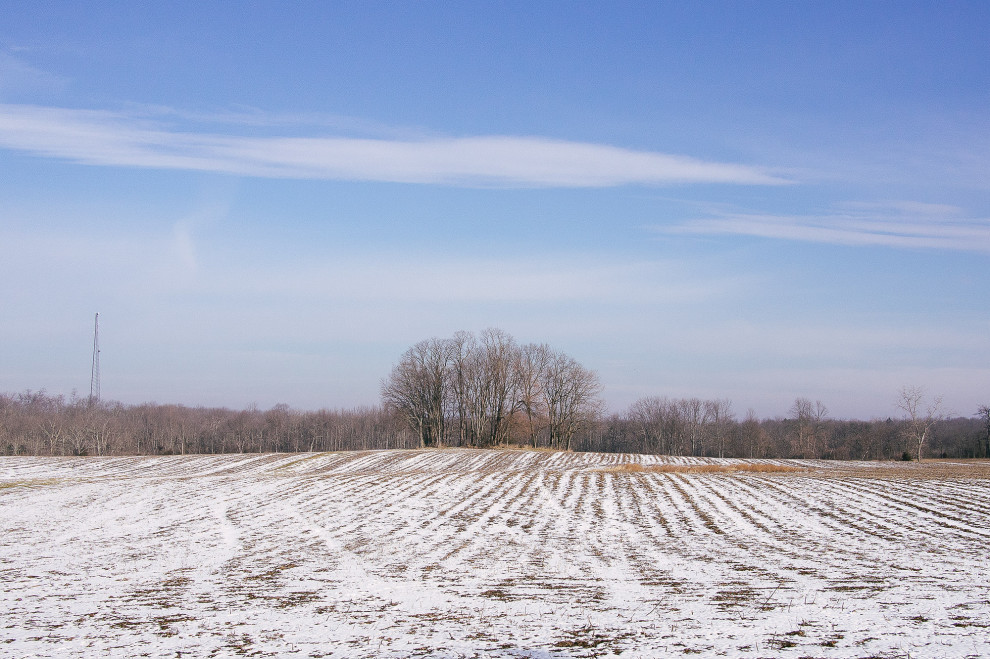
[[94, 378]]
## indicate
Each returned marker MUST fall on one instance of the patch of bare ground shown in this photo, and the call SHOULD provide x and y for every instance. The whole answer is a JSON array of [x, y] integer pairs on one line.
[[731, 468], [924, 470], [943, 469]]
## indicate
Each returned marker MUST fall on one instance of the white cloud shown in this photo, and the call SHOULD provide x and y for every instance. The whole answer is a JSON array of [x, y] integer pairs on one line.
[[887, 224], [105, 138]]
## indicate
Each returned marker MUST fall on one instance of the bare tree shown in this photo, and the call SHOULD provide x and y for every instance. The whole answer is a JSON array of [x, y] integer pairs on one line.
[[720, 419], [492, 386], [920, 416], [984, 414], [658, 421], [531, 363], [570, 394], [754, 437], [694, 413], [417, 389], [819, 429], [810, 419], [802, 410], [462, 348]]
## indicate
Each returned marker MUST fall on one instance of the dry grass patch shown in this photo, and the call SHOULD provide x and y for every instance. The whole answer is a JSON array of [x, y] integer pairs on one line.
[[744, 467], [29, 482]]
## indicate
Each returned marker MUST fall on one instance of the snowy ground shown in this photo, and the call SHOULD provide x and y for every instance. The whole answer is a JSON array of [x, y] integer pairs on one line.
[[458, 553]]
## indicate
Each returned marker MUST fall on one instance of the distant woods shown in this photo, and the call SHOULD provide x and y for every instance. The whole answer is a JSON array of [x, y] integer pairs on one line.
[[35, 423], [486, 390]]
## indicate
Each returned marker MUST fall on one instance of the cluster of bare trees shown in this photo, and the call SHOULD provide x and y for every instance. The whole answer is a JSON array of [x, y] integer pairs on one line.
[[682, 426], [709, 428], [487, 390], [692, 426], [35, 423], [812, 431]]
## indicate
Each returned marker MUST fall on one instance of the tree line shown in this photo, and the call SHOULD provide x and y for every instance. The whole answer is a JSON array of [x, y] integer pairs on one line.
[[487, 390], [36, 423], [674, 427]]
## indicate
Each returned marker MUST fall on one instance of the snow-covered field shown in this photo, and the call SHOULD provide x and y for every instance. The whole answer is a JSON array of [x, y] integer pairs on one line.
[[460, 553]]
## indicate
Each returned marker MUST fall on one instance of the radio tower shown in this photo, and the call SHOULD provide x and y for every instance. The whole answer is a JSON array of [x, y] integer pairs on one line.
[[94, 378]]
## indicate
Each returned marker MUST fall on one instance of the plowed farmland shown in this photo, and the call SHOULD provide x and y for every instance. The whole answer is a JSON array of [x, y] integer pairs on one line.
[[462, 553]]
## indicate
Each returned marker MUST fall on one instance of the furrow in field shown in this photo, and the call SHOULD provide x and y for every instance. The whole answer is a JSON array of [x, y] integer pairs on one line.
[[902, 505], [821, 511], [734, 496], [968, 505], [578, 546], [945, 499], [359, 461], [641, 538], [860, 565], [440, 536], [788, 528], [699, 515], [832, 556], [759, 535], [314, 464], [400, 510], [655, 506], [337, 511], [530, 514], [851, 502], [21, 468], [723, 556], [934, 496], [791, 554], [738, 545], [677, 512], [492, 541], [722, 574]]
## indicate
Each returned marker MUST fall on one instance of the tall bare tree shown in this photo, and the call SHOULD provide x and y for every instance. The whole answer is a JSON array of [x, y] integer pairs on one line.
[[801, 411], [570, 394], [984, 414], [694, 413], [531, 362], [462, 349], [658, 421], [493, 385], [921, 416], [754, 436], [417, 388], [810, 419], [720, 420]]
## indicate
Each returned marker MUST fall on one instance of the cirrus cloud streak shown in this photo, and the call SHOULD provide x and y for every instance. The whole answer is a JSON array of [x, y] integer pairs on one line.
[[97, 137], [892, 224]]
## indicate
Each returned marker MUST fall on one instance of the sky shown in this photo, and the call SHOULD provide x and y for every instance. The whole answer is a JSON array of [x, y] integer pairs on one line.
[[269, 202]]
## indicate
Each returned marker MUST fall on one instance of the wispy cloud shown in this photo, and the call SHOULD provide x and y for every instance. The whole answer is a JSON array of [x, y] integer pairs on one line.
[[17, 76], [117, 139], [901, 224], [242, 117]]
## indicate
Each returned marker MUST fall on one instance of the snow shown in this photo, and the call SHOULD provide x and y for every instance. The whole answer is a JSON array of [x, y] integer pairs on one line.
[[463, 553]]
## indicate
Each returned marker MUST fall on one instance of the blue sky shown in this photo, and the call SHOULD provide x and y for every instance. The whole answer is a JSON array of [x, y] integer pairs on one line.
[[270, 203]]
